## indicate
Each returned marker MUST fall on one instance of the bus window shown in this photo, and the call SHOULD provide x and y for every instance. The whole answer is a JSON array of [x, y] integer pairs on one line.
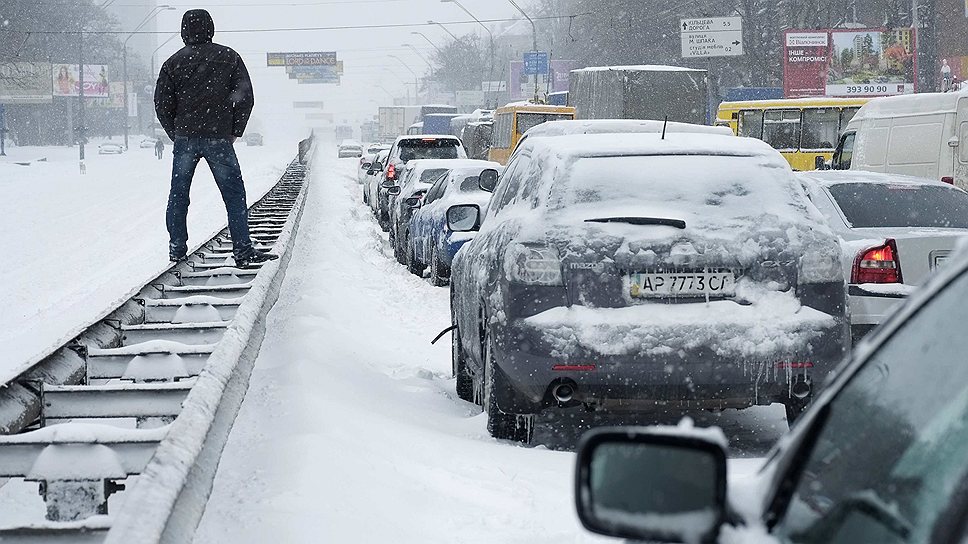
[[751, 123], [846, 115], [781, 129], [501, 136], [527, 120], [820, 128]]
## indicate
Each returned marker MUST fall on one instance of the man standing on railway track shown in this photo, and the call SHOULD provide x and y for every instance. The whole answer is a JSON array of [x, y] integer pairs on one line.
[[203, 100]]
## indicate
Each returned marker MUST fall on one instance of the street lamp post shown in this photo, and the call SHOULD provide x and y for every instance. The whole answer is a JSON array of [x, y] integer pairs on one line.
[[490, 69], [153, 53], [534, 39], [418, 53], [424, 36], [124, 63], [456, 39], [416, 78]]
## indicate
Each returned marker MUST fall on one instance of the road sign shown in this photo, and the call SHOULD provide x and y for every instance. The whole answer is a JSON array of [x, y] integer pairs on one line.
[[712, 37], [535, 63]]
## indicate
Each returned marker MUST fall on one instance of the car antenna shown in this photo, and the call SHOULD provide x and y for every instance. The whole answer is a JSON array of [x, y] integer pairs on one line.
[[664, 123]]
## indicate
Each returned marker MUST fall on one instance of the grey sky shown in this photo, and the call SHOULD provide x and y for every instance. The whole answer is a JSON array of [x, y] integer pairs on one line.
[[364, 52]]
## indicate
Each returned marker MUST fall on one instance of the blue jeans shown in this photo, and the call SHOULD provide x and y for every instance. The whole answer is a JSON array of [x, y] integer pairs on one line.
[[220, 156]]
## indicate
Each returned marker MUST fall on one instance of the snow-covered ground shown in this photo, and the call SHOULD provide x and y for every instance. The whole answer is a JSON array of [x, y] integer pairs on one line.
[[74, 244], [352, 431]]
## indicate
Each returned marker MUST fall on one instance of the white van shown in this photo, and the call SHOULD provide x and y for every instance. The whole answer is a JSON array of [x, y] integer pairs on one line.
[[923, 135]]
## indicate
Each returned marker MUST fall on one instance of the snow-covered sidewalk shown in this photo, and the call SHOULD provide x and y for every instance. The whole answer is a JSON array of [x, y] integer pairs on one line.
[[75, 244], [351, 430]]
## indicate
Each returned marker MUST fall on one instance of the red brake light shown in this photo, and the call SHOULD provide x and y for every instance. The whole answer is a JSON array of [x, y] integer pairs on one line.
[[877, 265], [391, 172], [948, 179]]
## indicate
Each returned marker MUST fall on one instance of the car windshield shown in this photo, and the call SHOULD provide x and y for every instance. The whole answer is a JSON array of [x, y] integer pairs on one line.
[[429, 149], [892, 451], [901, 205], [677, 186]]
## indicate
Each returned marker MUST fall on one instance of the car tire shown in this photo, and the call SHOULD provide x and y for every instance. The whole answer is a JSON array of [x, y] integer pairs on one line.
[[413, 266], [435, 268], [400, 249], [465, 382], [501, 425]]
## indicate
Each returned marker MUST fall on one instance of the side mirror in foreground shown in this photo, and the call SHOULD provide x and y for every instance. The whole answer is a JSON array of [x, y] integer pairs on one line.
[[652, 484], [393, 190], [464, 218], [413, 202], [488, 180]]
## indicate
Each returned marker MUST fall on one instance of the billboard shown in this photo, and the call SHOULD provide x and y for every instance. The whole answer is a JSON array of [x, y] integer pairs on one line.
[[25, 83], [308, 58], [849, 62], [521, 87], [66, 80]]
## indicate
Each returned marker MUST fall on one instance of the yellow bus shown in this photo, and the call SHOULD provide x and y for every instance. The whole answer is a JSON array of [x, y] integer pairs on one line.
[[801, 129], [513, 120]]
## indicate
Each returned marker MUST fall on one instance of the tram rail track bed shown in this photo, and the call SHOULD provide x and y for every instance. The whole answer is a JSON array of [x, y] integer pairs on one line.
[[137, 408]]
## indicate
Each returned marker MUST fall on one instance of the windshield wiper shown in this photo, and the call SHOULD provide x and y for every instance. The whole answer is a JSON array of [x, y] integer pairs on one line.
[[677, 223]]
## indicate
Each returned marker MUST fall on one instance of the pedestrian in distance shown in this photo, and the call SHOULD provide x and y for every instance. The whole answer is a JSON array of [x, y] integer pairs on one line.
[[159, 148], [203, 100]]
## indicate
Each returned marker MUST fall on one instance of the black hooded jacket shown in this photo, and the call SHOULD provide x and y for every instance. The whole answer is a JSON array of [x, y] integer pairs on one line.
[[204, 89]]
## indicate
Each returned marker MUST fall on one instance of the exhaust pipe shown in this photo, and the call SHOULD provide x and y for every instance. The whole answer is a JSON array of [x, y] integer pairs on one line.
[[563, 392], [800, 389]]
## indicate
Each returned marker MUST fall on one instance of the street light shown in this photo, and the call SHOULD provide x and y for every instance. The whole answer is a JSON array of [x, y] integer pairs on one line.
[[456, 39], [151, 15], [424, 36], [490, 69], [416, 78], [534, 38], [153, 53], [418, 53]]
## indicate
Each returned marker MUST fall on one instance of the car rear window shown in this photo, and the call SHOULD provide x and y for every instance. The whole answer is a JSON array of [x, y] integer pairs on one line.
[[429, 149], [701, 189], [885, 205]]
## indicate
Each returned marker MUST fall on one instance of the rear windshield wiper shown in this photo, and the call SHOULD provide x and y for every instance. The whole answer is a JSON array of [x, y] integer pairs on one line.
[[677, 223]]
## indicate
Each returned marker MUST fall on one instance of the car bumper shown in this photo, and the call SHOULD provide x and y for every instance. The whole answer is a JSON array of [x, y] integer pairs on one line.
[[653, 376], [870, 306]]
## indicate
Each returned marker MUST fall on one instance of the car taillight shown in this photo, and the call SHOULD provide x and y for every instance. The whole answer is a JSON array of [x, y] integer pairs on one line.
[[948, 179], [391, 173], [877, 265]]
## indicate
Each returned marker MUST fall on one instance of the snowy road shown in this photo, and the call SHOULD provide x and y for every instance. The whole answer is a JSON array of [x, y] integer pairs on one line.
[[76, 244], [352, 431]]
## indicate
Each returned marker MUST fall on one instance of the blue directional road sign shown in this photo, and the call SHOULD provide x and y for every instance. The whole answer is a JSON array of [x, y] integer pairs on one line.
[[535, 63]]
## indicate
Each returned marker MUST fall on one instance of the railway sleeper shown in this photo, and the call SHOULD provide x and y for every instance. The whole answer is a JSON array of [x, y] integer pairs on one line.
[[141, 401], [148, 362], [185, 333]]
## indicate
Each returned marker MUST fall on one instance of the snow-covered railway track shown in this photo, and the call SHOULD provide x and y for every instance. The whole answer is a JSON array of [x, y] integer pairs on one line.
[[122, 427]]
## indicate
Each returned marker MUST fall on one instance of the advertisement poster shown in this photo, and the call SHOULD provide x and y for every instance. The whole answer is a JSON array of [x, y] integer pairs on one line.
[[25, 83], [849, 63], [522, 86], [66, 80], [805, 63], [309, 58]]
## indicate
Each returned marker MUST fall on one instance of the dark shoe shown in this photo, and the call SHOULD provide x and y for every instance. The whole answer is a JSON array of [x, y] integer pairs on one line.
[[255, 256]]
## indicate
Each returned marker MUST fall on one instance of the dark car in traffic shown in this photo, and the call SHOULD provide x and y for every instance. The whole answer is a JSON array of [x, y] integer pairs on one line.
[[623, 274]]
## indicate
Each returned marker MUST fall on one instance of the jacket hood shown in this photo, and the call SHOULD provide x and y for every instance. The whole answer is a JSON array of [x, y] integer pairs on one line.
[[197, 27]]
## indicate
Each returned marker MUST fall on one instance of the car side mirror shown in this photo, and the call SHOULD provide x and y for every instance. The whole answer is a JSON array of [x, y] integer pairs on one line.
[[377, 165], [488, 180], [653, 485], [413, 202], [820, 164], [389, 184], [393, 190], [371, 171], [365, 165], [464, 218]]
